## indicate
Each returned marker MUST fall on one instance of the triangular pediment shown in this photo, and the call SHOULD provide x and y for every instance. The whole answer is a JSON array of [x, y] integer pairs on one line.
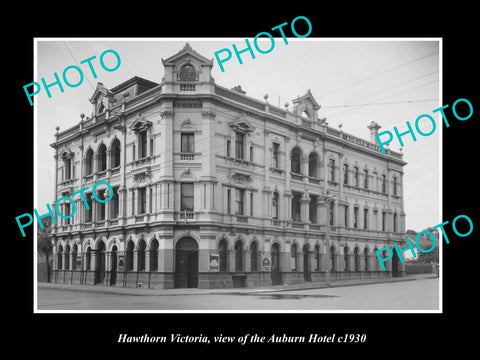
[[140, 124], [307, 99], [185, 52], [100, 91], [306, 105], [242, 124]]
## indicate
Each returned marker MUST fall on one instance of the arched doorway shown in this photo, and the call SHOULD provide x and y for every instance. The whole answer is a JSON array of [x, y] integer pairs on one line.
[[275, 267], [100, 263], [186, 263], [307, 276], [113, 267]]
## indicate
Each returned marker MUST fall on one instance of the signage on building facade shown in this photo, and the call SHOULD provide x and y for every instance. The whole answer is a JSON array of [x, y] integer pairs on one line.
[[121, 263], [214, 262], [361, 142], [266, 264]]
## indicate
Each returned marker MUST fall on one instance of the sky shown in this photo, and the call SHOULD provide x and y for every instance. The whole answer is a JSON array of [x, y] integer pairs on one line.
[[386, 80]]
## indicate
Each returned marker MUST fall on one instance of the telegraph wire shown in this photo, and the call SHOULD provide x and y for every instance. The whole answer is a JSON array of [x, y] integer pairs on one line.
[[73, 56], [378, 74], [380, 91], [385, 103], [386, 97]]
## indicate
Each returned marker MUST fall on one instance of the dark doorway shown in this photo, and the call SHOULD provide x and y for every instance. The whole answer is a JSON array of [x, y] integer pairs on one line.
[[275, 269], [186, 263], [307, 276], [100, 263], [113, 268], [395, 266]]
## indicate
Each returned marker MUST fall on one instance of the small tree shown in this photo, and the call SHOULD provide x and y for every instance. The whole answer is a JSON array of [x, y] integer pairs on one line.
[[44, 244], [428, 257]]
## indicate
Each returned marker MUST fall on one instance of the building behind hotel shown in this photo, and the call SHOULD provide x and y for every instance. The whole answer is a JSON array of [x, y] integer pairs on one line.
[[212, 188]]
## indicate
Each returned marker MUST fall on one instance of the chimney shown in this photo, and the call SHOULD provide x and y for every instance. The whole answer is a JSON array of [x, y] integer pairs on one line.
[[373, 127]]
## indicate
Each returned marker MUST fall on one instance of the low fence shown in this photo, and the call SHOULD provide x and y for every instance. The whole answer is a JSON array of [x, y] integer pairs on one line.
[[412, 268]]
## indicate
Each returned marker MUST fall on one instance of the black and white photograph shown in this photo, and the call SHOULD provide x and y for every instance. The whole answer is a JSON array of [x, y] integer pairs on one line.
[[176, 186], [193, 180]]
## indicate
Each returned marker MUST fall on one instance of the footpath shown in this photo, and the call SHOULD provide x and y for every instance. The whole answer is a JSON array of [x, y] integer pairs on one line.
[[112, 290]]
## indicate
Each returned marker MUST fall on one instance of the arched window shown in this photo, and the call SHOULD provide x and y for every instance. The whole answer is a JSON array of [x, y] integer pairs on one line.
[[222, 251], [293, 255], [356, 254], [74, 257], [317, 257], [187, 73], [88, 259], [295, 159], [60, 257], [154, 255], [253, 256], [313, 165], [395, 219], [67, 257], [365, 254], [141, 255], [115, 153], [129, 256], [238, 256], [275, 199], [102, 157], [332, 258], [345, 258], [89, 162]]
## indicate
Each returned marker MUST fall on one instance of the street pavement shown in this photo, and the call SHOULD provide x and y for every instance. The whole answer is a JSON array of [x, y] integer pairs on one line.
[[411, 293]]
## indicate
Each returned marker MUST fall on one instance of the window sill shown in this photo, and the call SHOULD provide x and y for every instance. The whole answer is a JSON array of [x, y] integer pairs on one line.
[[277, 170]]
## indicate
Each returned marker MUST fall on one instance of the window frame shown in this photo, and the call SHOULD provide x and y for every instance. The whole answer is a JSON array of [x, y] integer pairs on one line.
[[239, 145], [186, 197], [187, 142]]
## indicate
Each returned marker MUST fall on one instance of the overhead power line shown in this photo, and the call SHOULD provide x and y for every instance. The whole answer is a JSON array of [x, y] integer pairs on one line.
[[378, 74]]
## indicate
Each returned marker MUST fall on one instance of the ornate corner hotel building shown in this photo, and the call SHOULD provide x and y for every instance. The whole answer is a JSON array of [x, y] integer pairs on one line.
[[212, 188]]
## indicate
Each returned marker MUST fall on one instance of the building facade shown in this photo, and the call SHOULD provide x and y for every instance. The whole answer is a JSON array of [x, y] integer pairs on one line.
[[213, 188]]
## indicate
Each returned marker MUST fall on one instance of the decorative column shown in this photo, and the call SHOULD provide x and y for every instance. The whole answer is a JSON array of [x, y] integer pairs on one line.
[[231, 260], [247, 266], [122, 204], [147, 260], [108, 156], [304, 168], [135, 260], [305, 207]]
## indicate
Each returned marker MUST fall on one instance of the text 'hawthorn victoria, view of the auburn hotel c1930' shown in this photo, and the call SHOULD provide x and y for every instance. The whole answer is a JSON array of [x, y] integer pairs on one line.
[[212, 188]]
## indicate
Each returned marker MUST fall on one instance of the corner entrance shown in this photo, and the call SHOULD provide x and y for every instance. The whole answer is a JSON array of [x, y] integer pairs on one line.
[[186, 263]]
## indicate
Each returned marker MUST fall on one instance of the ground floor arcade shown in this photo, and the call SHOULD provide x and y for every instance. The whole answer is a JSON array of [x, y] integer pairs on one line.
[[208, 258]]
